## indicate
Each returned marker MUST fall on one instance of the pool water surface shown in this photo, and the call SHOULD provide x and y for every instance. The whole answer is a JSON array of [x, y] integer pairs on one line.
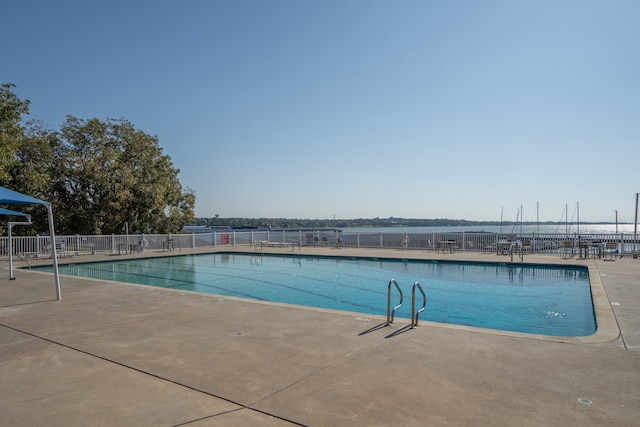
[[546, 300]]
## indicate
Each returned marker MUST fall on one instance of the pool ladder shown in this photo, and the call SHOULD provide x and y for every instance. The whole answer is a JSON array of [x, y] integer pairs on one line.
[[414, 314]]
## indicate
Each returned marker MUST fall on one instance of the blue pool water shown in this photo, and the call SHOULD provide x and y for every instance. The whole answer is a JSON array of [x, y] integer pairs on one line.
[[532, 299]]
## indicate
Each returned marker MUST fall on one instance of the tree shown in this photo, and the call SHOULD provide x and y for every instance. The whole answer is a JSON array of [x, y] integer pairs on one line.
[[111, 173], [31, 172], [97, 174], [11, 131]]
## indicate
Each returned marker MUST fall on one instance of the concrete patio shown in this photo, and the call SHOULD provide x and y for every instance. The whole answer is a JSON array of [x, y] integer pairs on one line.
[[114, 354]]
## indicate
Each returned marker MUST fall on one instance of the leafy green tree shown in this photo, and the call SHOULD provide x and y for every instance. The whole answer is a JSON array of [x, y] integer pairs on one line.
[[12, 109], [21, 169], [34, 154], [97, 174], [31, 172], [111, 173]]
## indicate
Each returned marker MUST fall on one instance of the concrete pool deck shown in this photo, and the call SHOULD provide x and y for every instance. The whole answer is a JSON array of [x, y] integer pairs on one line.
[[113, 354]]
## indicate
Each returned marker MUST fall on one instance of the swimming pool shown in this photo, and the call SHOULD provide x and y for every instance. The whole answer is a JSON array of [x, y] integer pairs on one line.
[[546, 300]]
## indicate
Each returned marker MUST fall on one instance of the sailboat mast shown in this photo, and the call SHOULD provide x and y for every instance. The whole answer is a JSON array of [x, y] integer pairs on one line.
[[521, 217], [635, 231], [578, 219]]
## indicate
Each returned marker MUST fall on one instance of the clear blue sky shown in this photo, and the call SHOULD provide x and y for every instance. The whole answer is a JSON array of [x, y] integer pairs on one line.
[[355, 109]]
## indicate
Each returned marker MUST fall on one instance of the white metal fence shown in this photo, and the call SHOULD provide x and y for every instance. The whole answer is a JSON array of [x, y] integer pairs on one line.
[[40, 246]]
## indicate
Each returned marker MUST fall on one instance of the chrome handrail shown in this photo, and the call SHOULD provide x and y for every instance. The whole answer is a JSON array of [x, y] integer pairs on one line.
[[390, 313], [414, 317]]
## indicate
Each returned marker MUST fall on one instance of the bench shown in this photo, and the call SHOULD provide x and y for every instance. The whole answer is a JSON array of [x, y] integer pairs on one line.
[[259, 244]]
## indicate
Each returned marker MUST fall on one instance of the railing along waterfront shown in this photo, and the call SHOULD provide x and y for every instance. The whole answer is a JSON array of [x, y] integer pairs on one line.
[[40, 246]]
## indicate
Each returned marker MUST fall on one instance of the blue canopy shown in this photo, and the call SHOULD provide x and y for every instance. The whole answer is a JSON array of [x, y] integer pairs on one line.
[[10, 212], [10, 197]]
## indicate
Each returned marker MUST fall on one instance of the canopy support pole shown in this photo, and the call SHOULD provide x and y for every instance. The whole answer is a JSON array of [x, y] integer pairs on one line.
[[54, 255], [9, 226]]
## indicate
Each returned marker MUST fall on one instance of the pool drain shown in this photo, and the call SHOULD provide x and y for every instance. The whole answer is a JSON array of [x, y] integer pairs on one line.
[[585, 401]]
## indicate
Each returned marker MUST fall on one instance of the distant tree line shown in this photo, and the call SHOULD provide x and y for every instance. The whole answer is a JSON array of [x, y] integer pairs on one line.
[[97, 174], [340, 223]]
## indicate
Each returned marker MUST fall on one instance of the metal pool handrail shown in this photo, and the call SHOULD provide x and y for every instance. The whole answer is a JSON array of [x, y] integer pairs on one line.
[[414, 317], [391, 313]]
